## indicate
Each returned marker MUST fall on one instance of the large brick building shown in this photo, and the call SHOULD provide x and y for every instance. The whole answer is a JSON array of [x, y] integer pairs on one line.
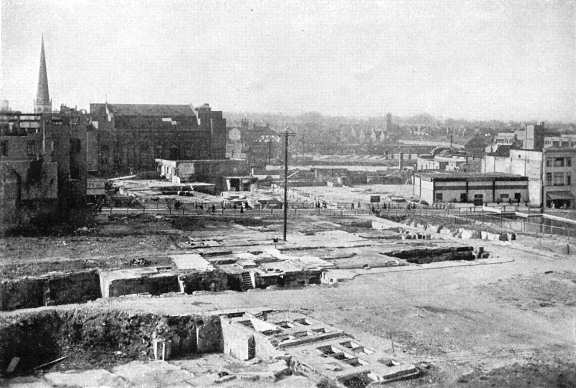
[[129, 137]]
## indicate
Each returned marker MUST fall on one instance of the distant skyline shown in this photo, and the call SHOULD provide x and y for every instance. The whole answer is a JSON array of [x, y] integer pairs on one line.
[[476, 60]]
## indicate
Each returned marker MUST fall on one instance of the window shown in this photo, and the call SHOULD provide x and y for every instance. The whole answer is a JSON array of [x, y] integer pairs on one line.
[[559, 162], [568, 179], [31, 148], [558, 179], [504, 196], [75, 145], [568, 162], [548, 162], [479, 196], [4, 148], [74, 171], [548, 179], [438, 197]]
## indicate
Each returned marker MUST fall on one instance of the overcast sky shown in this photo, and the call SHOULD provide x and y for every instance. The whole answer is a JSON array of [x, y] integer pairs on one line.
[[462, 59]]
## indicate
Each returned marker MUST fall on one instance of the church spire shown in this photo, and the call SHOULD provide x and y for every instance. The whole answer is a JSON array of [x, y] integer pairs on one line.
[[42, 103]]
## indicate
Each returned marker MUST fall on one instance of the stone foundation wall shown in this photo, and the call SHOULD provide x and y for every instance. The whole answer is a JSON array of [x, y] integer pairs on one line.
[[203, 281], [154, 285], [77, 287]]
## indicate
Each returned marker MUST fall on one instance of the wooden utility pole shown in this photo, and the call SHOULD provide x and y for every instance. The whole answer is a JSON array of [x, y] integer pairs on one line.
[[286, 134]]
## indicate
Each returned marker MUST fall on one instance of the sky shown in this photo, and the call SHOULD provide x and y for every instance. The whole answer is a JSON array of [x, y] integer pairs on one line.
[[503, 60]]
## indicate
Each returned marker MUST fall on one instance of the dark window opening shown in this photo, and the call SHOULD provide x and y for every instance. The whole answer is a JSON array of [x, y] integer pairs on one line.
[[31, 148], [75, 145]]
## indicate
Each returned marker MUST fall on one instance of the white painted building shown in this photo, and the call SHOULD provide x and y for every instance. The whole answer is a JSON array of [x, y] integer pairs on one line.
[[445, 187]]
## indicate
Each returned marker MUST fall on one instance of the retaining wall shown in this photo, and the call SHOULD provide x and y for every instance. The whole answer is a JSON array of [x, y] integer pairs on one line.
[[203, 281], [50, 289], [95, 333]]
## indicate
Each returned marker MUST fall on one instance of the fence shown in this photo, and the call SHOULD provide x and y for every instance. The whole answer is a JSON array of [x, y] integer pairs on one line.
[[479, 217], [209, 211]]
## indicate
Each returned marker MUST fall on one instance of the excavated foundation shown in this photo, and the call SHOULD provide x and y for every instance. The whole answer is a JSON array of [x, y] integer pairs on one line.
[[89, 337], [431, 255]]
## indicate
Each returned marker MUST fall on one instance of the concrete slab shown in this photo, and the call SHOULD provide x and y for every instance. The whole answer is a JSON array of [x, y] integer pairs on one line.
[[312, 262], [191, 261], [85, 378], [154, 374], [25, 382]]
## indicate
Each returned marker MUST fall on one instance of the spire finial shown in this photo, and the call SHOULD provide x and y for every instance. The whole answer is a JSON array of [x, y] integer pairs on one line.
[[42, 103]]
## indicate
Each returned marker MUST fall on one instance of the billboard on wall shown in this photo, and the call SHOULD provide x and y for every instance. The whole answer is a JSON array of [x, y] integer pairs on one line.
[[374, 198], [95, 186]]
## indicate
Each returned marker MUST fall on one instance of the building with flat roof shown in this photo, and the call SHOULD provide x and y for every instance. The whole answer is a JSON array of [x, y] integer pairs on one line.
[[470, 187], [549, 172], [225, 174], [445, 159]]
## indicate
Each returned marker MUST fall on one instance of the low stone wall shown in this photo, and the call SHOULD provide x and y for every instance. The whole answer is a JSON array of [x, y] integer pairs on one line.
[[60, 288]]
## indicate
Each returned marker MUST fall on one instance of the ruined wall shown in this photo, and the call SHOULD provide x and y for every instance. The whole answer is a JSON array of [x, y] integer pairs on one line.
[[92, 154], [203, 281], [237, 340], [154, 284], [36, 291], [21, 147], [218, 136], [27, 190], [29, 180]]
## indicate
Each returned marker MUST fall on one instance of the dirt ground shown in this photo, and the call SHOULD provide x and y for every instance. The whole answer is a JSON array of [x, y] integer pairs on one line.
[[355, 194], [506, 324], [463, 321]]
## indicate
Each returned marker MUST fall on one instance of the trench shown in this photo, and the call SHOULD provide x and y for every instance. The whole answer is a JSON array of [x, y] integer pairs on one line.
[[432, 255], [86, 285], [89, 337]]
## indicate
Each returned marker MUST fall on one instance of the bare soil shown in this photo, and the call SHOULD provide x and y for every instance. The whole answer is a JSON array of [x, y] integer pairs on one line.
[[508, 324]]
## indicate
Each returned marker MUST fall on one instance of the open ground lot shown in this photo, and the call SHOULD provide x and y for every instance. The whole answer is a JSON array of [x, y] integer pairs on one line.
[[509, 322]]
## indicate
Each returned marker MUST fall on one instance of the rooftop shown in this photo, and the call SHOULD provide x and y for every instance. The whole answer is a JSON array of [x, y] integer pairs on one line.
[[143, 109], [440, 175], [502, 150]]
